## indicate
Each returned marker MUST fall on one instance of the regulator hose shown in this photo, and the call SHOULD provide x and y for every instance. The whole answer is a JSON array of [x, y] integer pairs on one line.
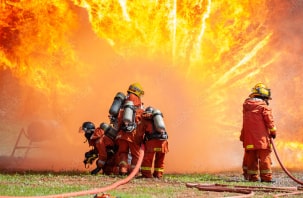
[[94, 191], [282, 166]]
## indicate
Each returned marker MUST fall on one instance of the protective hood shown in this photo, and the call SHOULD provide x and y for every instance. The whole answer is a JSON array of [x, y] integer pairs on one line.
[[135, 99], [251, 103]]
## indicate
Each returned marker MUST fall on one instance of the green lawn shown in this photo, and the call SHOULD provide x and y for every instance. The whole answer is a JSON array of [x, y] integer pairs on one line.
[[172, 185]]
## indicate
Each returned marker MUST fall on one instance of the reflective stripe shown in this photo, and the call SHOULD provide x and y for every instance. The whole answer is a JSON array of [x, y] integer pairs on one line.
[[250, 146], [159, 169], [145, 168], [101, 162], [157, 149], [273, 129], [265, 171], [123, 163], [252, 172]]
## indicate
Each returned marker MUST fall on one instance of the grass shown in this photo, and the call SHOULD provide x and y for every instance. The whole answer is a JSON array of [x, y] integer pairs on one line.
[[172, 185], [48, 183]]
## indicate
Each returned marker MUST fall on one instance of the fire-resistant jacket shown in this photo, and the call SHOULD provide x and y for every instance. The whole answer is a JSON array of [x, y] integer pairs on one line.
[[97, 134], [101, 142], [159, 143], [122, 134], [258, 124], [135, 99], [129, 136]]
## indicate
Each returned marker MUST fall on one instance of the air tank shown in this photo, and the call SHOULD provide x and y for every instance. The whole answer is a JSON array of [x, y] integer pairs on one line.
[[158, 120], [128, 115], [117, 103], [111, 132], [104, 126]]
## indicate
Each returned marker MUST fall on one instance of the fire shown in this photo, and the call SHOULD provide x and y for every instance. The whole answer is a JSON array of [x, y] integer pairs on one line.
[[291, 153], [35, 43], [206, 53], [189, 32]]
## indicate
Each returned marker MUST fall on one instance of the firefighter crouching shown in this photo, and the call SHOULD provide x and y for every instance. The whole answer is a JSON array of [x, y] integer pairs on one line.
[[258, 128], [128, 119], [104, 148], [156, 144], [90, 156]]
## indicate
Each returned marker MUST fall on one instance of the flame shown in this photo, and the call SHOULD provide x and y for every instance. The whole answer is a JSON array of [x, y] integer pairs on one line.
[[189, 32], [204, 55], [291, 152], [35, 43]]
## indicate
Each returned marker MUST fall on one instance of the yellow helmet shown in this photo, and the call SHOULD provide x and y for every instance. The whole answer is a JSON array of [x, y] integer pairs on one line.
[[136, 89], [260, 90]]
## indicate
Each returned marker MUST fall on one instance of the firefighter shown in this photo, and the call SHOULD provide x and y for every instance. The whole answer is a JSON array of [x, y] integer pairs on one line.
[[128, 119], [258, 127], [156, 144], [134, 93], [103, 142], [88, 128]]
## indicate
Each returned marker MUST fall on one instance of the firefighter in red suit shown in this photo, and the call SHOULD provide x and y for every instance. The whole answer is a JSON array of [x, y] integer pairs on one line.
[[258, 127], [156, 144], [102, 139], [128, 119]]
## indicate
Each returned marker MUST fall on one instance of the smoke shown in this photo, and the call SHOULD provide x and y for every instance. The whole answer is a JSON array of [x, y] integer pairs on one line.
[[202, 111]]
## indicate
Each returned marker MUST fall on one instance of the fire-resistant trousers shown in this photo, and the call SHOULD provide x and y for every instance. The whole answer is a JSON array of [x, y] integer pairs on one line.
[[244, 166], [155, 151], [101, 145], [123, 151], [259, 162]]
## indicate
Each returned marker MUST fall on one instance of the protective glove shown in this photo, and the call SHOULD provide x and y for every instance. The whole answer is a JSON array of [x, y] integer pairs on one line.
[[273, 136], [95, 171], [90, 157]]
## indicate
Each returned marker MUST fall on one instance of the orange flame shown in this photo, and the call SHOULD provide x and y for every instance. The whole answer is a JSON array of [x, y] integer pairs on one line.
[[35, 42], [292, 152]]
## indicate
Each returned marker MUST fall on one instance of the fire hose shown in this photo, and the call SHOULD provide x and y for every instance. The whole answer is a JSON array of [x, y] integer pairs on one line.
[[248, 191], [282, 166], [98, 190], [244, 191]]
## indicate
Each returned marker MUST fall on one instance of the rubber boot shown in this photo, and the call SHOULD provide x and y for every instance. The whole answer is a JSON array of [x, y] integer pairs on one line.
[[96, 171]]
